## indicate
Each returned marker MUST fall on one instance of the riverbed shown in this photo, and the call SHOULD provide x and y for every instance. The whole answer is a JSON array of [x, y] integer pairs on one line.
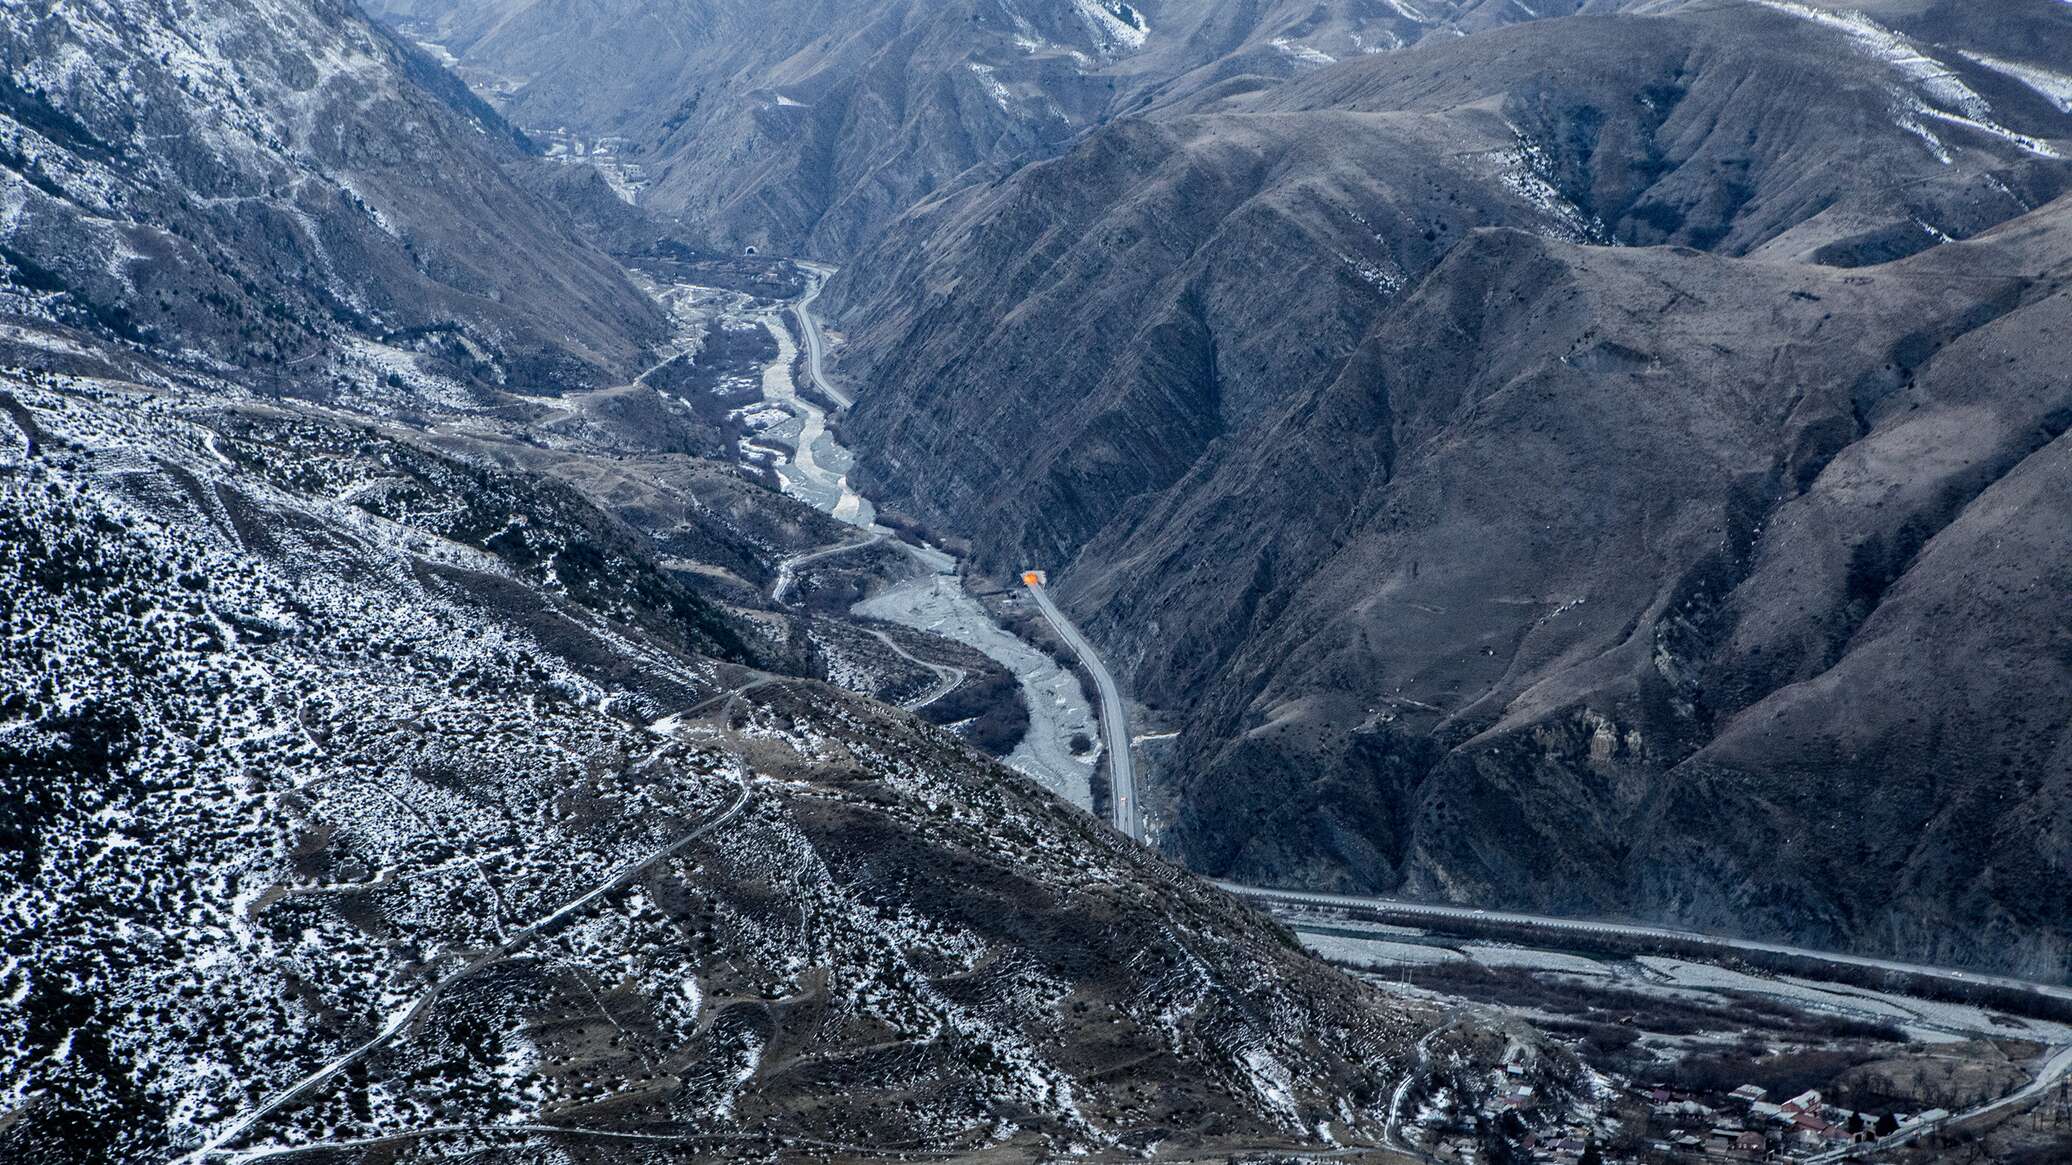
[[814, 468]]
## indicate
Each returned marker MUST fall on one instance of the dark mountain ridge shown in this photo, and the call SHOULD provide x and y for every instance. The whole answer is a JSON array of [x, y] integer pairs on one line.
[[807, 127], [1472, 580], [1656, 615], [1116, 289]]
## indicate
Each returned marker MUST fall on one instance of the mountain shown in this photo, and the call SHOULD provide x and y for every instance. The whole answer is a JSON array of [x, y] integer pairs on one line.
[[805, 126], [399, 753], [1689, 128], [1659, 590], [245, 182], [1475, 557], [1120, 293], [334, 822]]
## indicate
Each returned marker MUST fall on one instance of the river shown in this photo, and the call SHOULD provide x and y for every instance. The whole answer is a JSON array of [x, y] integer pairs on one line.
[[815, 469]]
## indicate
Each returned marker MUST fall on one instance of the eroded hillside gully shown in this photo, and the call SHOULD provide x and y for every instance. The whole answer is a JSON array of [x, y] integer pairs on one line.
[[813, 467]]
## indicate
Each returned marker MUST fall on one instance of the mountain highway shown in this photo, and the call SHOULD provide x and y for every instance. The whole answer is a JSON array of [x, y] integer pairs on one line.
[[816, 349], [1125, 805], [936, 602], [1400, 912], [1128, 819], [1122, 770]]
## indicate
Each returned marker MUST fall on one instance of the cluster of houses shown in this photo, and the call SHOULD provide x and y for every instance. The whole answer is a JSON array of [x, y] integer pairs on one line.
[[1516, 1107], [1744, 1125], [1752, 1127]]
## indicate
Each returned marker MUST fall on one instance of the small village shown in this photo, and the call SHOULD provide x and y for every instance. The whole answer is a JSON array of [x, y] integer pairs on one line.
[[1673, 1127], [1752, 1126]]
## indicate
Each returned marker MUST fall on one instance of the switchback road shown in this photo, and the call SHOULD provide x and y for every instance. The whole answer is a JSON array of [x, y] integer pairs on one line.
[[788, 570]]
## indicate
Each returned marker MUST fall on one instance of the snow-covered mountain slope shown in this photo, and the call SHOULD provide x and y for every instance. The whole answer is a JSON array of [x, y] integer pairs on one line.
[[246, 181], [422, 768], [337, 815]]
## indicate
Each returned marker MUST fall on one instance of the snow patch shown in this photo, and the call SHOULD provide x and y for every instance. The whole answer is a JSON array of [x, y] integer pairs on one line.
[[1945, 94], [1116, 26], [994, 88], [1303, 53], [1273, 1083], [1525, 174], [2053, 87]]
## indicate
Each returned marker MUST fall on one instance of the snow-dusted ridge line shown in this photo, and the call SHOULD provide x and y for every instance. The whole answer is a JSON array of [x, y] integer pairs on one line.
[[1941, 92], [2053, 87]]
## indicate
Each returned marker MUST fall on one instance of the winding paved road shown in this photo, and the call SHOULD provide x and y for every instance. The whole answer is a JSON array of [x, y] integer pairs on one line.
[[1115, 729], [2053, 1072], [816, 349], [947, 678]]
